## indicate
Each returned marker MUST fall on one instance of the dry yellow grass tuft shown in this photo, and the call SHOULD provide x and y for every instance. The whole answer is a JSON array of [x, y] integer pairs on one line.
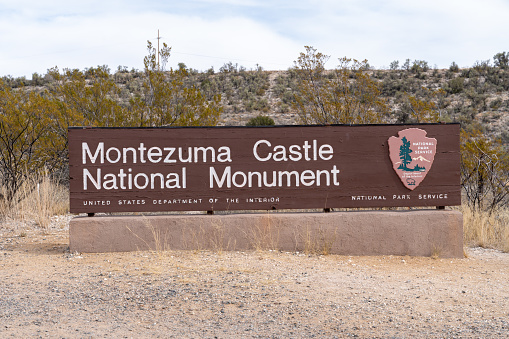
[[486, 229], [39, 199]]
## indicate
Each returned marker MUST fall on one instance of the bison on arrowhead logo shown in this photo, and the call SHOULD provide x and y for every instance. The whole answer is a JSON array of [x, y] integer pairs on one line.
[[412, 155]]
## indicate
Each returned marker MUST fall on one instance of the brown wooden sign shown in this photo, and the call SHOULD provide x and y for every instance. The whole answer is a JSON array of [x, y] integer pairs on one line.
[[263, 168]]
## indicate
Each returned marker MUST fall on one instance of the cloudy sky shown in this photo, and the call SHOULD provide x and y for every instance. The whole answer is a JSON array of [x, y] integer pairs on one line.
[[36, 35]]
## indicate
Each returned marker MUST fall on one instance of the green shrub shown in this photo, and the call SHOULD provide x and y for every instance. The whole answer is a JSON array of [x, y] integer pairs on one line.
[[455, 85], [261, 120], [454, 67], [419, 66]]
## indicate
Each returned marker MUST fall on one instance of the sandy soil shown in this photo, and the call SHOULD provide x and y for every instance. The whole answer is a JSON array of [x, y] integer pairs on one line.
[[45, 291]]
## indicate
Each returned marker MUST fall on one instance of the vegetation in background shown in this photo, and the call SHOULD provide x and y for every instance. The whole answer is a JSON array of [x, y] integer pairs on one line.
[[345, 95], [35, 114], [166, 100], [34, 121]]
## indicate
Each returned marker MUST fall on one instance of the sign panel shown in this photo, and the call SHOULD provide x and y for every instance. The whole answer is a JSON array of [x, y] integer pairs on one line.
[[263, 168]]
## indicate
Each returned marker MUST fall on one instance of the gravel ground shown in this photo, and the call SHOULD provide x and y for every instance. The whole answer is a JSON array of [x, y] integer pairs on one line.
[[45, 291]]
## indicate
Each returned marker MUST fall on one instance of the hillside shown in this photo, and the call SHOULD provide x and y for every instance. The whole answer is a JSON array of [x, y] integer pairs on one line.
[[472, 96]]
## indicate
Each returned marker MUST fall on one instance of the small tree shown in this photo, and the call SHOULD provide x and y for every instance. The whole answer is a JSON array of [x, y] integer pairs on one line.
[[81, 98], [394, 65], [406, 65], [419, 66], [484, 171], [425, 108], [167, 100], [501, 60], [345, 95], [456, 85], [454, 67], [24, 121]]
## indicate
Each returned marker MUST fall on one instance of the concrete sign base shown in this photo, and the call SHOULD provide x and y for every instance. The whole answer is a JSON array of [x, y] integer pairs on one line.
[[414, 233]]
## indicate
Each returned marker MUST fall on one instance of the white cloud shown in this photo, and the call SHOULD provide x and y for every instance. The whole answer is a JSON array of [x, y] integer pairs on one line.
[[82, 41], [437, 31], [37, 35]]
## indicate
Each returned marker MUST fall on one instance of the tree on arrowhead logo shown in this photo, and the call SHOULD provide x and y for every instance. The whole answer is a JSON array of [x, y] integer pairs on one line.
[[412, 155]]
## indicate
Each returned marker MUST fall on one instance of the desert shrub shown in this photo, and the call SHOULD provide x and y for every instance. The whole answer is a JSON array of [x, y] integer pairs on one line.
[[261, 120], [288, 98], [501, 60], [454, 67], [455, 86], [419, 66], [229, 68], [424, 106], [283, 108], [504, 137], [478, 99], [38, 80], [15, 82], [496, 104], [391, 86], [394, 65], [262, 105], [406, 65]]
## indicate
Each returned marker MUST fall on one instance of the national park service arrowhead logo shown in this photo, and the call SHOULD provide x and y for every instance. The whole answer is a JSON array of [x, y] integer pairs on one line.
[[412, 155]]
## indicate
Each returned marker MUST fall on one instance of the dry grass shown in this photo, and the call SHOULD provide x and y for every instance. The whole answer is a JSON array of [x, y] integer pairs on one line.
[[486, 229], [217, 238], [436, 251], [265, 236], [159, 243], [39, 199], [320, 242]]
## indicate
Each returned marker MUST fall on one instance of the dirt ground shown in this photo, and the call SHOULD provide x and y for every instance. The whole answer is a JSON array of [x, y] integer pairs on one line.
[[45, 291]]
